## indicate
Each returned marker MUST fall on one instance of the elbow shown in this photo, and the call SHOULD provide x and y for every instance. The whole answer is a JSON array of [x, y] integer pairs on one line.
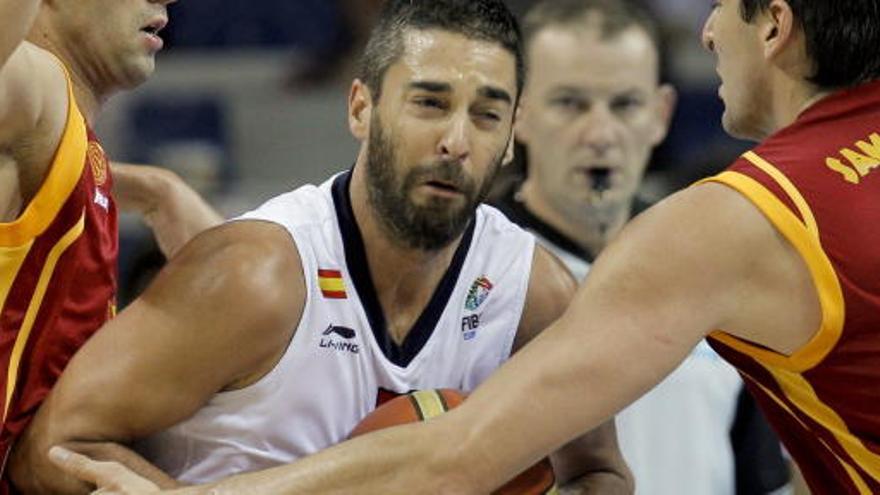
[[30, 471], [28, 467]]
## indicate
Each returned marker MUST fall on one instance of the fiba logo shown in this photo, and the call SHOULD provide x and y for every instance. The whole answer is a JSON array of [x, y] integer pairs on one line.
[[478, 293]]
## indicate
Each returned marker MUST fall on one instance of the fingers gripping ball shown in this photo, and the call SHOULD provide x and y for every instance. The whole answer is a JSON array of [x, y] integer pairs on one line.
[[426, 404]]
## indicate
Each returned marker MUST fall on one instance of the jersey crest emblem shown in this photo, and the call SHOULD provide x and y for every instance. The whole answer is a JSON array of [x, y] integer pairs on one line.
[[98, 162], [478, 293]]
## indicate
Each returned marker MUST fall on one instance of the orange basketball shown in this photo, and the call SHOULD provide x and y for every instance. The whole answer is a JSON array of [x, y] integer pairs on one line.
[[424, 404]]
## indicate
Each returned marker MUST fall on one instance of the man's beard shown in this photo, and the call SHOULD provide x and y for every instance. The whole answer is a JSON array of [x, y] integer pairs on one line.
[[439, 221]]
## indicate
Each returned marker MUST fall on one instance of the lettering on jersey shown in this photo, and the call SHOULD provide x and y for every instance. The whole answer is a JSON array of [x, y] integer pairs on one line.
[[478, 293], [98, 162], [857, 164], [330, 339], [331, 283], [102, 200], [469, 325]]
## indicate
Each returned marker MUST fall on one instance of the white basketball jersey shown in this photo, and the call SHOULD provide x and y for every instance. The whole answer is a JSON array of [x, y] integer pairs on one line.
[[341, 361]]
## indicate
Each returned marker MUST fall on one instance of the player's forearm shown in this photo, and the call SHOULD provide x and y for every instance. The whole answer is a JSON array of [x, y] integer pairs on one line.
[[567, 381], [174, 211], [139, 188], [375, 464], [16, 19]]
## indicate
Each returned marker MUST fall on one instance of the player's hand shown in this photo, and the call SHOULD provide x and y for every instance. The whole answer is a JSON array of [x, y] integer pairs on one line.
[[109, 477]]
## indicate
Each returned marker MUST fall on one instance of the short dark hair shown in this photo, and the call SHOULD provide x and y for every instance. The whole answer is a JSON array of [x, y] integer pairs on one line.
[[842, 38], [616, 17], [486, 20]]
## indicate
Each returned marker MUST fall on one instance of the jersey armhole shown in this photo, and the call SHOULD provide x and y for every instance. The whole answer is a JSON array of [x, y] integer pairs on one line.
[[825, 280], [64, 174]]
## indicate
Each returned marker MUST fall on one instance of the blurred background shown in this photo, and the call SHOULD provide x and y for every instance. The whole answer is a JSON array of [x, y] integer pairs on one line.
[[249, 100]]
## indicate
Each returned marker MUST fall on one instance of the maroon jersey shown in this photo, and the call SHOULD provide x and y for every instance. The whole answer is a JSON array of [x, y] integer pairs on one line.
[[816, 181], [57, 274]]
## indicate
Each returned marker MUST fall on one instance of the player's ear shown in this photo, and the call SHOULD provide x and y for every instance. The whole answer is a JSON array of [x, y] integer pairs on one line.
[[777, 28], [664, 109], [360, 108]]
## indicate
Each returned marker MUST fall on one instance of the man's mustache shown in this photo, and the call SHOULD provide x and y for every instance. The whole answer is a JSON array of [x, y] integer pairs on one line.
[[449, 172]]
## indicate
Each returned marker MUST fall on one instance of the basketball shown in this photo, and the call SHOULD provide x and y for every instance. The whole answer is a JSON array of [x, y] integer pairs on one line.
[[425, 404]]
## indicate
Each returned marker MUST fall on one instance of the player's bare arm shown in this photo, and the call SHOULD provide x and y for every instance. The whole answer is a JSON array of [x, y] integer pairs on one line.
[[172, 209], [592, 463], [673, 276], [653, 294], [217, 318]]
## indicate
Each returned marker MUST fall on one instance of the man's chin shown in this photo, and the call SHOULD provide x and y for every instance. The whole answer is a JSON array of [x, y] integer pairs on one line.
[[735, 128], [607, 198], [139, 72]]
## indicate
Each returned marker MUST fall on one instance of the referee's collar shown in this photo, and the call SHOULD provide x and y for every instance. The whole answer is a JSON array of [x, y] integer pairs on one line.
[[517, 211]]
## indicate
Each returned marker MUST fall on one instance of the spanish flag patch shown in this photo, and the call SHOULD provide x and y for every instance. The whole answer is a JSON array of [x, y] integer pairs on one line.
[[331, 284]]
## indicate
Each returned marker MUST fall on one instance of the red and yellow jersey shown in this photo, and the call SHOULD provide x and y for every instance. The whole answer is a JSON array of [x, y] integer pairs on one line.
[[57, 274], [818, 183]]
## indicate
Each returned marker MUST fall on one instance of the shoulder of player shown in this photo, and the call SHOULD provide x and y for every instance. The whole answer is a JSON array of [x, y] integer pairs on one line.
[[248, 271], [551, 288], [709, 243], [33, 91], [714, 214], [236, 290]]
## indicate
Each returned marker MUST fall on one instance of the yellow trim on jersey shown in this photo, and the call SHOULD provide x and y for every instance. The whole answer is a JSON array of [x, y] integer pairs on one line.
[[64, 174], [801, 394], [799, 202], [861, 486], [818, 411], [429, 402], [825, 279], [34, 306]]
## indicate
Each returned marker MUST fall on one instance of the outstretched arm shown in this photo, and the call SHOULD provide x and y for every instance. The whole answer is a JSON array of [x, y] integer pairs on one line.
[[702, 260], [171, 350], [170, 207]]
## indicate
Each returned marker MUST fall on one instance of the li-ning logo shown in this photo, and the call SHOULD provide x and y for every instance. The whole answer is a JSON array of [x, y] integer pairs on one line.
[[344, 332], [478, 293], [328, 341]]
